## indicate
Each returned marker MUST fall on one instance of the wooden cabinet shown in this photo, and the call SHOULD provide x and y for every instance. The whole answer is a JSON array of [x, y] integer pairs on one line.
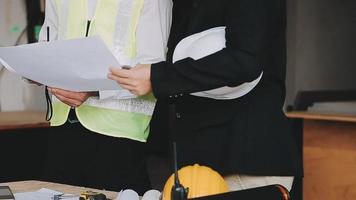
[[20, 120], [329, 153]]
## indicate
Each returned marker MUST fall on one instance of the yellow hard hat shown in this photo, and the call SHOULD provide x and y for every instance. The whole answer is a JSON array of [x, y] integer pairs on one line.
[[201, 181]]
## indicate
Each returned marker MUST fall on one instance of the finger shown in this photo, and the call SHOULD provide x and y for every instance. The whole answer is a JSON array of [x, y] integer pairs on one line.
[[120, 80], [113, 77], [60, 91], [68, 101], [68, 94], [50, 89], [127, 87], [125, 81], [124, 73], [53, 88]]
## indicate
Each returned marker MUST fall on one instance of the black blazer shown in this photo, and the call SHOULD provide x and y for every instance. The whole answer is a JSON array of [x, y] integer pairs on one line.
[[250, 134]]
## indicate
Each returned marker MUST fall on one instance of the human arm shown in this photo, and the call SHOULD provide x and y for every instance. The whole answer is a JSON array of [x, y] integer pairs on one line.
[[151, 40], [238, 63], [73, 99]]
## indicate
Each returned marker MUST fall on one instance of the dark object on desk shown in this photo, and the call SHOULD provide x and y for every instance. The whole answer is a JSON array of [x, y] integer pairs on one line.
[[271, 192], [179, 192], [89, 195], [6, 193], [92, 196]]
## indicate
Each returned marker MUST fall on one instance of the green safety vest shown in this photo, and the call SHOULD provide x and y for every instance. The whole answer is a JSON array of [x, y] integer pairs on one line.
[[111, 122]]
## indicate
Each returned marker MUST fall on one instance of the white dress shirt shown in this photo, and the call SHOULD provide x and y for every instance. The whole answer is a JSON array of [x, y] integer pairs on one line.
[[151, 35]]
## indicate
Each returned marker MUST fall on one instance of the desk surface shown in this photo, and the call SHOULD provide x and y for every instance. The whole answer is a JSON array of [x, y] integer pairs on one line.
[[20, 120], [29, 186], [317, 116]]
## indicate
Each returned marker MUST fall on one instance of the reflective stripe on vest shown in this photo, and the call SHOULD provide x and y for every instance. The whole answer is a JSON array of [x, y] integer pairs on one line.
[[130, 48], [129, 119]]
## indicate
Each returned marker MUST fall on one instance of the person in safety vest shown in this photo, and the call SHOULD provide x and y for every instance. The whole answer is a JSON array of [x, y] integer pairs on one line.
[[100, 136], [225, 74]]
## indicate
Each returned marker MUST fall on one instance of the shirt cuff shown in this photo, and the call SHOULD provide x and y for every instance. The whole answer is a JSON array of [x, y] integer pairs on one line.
[[115, 94]]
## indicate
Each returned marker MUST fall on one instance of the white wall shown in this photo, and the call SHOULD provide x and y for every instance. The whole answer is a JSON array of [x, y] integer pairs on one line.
[[15, 94]]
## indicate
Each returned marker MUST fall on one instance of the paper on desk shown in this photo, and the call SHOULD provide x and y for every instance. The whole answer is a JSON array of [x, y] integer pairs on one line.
[[42, 194], [76, 65]]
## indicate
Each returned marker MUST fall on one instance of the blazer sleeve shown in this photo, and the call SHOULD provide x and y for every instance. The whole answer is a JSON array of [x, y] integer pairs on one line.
[[232, 66]]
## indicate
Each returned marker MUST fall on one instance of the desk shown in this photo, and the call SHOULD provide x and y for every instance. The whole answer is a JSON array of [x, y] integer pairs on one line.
[[21, 120], [29, 186], [329, 153]]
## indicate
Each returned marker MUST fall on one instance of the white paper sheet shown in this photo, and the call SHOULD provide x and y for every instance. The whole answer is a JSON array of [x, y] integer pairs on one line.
[[76, 65], [47, 194], [42, 194]]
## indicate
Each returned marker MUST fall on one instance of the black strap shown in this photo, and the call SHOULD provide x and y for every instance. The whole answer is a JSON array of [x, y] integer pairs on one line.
[[49, 112]]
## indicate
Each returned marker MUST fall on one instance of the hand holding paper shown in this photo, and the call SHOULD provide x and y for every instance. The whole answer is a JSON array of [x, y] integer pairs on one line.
[[72, 99], [76, 65], [136, 80]]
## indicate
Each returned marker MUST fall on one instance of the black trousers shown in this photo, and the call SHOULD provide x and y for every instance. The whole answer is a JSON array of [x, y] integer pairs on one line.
[[77, 156]]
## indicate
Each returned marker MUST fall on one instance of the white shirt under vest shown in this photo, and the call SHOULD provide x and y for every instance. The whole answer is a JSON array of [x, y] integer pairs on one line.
[[151, 36]]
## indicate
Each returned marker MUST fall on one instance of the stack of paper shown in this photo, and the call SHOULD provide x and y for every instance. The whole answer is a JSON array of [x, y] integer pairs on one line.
[[47, 194], [43, 194]]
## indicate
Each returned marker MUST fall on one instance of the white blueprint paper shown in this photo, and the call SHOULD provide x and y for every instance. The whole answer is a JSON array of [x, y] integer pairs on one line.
[[76, 65]]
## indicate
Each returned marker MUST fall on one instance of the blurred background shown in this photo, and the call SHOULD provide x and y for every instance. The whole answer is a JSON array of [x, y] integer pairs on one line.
[[320, 98], [321, 48], [20, 22]]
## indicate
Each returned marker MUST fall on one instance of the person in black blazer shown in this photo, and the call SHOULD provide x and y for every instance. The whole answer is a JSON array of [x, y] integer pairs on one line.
[[247, 139]]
